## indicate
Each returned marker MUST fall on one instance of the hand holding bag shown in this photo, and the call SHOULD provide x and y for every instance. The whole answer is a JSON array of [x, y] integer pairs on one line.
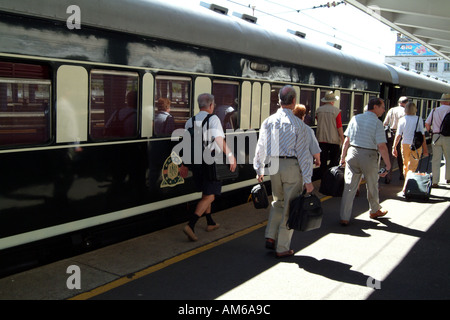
[[305, 213]]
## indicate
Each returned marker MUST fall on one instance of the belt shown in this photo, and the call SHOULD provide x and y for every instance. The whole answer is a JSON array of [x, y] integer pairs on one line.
[[363, 148], [287, 157]]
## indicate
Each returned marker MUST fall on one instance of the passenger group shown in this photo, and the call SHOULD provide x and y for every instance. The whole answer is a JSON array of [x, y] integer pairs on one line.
[[296, 149]]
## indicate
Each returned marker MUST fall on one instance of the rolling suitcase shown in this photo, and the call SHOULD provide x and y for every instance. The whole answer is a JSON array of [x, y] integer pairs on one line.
[[305, 213], [332, 183], [259, 196], [418, 184]]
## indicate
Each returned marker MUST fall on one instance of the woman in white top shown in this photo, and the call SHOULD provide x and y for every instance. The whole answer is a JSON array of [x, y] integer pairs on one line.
[[406, 128]]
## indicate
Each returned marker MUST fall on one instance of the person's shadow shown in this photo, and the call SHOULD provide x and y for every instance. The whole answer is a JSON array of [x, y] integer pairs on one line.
[[330, 269]]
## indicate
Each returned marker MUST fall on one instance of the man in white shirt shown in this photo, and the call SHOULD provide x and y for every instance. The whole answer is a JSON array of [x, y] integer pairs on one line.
[[441, 143], [364, 138], [391, 120], [211, 132], [284, 139]]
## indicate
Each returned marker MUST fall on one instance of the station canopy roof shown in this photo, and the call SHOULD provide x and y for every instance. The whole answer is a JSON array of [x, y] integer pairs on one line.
[[424, 21]]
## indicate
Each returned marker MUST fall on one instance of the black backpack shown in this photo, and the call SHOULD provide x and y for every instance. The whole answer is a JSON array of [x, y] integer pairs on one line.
[[445, 125], [418, 138], [193, 132]]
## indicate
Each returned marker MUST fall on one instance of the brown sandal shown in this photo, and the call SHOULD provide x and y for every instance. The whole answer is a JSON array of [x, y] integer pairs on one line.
[[285, 254]]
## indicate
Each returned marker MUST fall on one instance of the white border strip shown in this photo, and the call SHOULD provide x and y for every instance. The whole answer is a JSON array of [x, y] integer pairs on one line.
[[49, 232]]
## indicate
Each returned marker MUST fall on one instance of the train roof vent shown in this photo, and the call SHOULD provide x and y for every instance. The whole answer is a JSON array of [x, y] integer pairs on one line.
[[335, 45], [215, 8], [245, 17], [297, 33]]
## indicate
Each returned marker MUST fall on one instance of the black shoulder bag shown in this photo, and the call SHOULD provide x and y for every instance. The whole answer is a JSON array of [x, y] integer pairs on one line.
[[418, 138]]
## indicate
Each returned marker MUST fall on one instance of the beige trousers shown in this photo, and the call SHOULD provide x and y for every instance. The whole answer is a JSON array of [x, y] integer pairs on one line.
[[360, 162], [286, 184]]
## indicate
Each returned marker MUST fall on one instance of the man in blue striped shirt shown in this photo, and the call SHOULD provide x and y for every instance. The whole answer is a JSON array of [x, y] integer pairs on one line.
[[284, 143], [364, 138]]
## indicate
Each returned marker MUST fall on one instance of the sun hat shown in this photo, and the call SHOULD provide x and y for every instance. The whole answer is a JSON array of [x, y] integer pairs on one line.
[[329, 96], [445, 97], [402, 99]]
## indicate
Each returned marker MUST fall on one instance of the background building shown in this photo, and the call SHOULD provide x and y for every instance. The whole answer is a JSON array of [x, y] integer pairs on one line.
[[416, 57]]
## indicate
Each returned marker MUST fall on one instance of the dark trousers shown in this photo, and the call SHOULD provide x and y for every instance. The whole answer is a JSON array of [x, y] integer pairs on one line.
[[330, 152], [390, 143]]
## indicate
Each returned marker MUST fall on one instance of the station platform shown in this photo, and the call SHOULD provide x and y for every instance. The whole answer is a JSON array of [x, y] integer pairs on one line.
[[404, 255]]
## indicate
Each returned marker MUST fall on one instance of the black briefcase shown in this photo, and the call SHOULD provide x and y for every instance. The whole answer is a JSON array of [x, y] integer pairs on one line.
[[305, 213], [259, 196]]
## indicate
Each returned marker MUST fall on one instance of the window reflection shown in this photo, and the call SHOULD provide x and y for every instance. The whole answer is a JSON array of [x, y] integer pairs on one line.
[[113, 104], [172, 104], [227, 107], [24, 104]]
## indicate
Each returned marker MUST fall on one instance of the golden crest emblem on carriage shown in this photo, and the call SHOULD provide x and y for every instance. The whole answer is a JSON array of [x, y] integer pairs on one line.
[[173, 171]]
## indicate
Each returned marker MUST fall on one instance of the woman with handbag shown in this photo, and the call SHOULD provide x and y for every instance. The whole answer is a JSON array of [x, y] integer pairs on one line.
[[411, 129]]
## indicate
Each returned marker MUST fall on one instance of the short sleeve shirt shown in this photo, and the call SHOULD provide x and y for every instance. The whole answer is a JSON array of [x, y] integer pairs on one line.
[[366, 131]]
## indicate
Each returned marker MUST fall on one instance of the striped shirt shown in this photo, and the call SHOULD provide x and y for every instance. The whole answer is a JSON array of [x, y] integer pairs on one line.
[[284, 134], [365, 131]]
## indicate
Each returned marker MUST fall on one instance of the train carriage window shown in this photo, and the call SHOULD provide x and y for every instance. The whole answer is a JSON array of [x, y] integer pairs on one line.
[[172, 102], [358, 104], [227, 107], [25, 96], [113, 104], [307, 98], [345, 104], [274, 99]]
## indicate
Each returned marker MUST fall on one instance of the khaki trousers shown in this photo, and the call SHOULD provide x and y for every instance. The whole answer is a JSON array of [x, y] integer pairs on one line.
[[441, 146], [360, 162], [286, 184]]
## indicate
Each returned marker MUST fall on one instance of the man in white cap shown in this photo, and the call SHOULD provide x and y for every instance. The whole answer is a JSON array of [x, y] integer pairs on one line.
[[392, 117], [329, 132], [441, 143]]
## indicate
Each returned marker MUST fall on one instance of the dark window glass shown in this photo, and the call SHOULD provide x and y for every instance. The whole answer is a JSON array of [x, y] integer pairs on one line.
[[113, 105], [307, 98], [358, 106], [227, 106], [344, 105], [25, 92], [274, 99]]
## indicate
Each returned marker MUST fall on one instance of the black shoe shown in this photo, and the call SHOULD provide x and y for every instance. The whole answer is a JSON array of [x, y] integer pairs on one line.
[[270, 244]]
